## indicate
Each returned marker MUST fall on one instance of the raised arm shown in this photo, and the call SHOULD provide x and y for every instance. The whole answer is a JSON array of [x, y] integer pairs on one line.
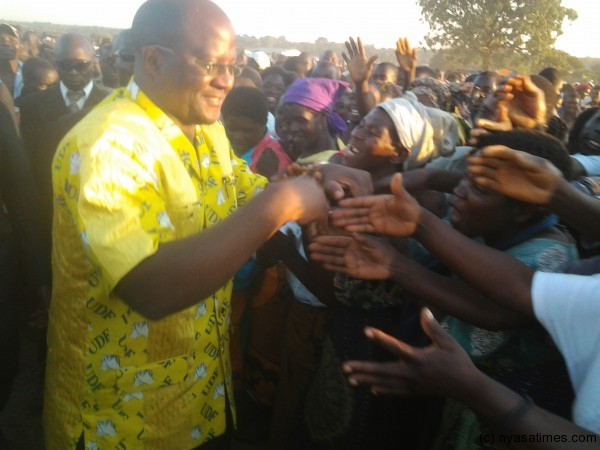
[[360, 69], [407, 60]]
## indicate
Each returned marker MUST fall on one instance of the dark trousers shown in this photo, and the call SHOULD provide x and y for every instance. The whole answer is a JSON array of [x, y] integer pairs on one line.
[[9, 318]]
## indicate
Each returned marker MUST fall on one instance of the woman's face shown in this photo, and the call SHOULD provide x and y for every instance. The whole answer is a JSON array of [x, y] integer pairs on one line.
[[589, 138], [273, 87], [372, 143], [243, 133], [299, 128], [478, 212]]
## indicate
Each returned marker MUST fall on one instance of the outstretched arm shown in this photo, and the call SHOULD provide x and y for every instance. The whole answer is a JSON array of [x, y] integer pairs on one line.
[[481, 267], [367, 258], [185, 271], [531, 179], [444, 368]]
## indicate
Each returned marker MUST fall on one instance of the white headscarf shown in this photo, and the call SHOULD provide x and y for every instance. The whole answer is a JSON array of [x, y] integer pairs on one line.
[[427, 133]]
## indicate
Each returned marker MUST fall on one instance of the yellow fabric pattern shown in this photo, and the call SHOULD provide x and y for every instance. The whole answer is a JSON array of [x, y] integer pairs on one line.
[[126, 180]]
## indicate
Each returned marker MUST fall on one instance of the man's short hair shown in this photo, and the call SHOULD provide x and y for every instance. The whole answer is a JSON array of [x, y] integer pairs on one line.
[[158, 22]]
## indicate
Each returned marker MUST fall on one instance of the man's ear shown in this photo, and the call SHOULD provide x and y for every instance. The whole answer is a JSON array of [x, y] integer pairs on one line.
[[153, 60]]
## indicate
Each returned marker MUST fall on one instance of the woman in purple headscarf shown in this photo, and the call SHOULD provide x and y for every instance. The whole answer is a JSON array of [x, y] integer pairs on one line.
[[306, 123]]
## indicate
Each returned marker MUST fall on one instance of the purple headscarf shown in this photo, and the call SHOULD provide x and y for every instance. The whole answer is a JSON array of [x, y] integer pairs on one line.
[[318, 94]]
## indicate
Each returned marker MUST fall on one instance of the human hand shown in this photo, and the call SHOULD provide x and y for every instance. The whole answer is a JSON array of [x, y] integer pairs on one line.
[[306, 199], [514, 174], [358, 256], [442, 368], [525, 101], [406, 56], [359, 66], [397, 214], [342, 181], [501, 122]]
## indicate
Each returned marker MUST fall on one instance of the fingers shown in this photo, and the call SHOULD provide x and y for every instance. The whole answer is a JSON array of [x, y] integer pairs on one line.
[[371, 61], [476, 134], [491, 125], [391, 344], [334, 190], [353, 221], [396, 186], [351, 47], [361, 48], [380, 381], [434, 330]]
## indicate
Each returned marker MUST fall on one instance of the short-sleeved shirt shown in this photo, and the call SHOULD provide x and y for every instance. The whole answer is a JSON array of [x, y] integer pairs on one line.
[[126, 180], [568, 306]]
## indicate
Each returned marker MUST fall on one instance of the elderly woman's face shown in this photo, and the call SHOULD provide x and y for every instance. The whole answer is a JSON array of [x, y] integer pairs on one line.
[[373, 142], [299, 128]]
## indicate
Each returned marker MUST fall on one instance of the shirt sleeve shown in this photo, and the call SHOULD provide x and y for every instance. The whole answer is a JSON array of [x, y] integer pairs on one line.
[[568, 306], [247, 183], [590, 163], [122, 213]]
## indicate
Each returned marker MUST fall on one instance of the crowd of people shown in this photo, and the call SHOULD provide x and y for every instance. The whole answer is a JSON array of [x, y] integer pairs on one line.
[[303, 253]]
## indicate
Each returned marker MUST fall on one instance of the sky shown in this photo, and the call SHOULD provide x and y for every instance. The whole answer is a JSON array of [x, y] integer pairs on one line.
[[378, 22]]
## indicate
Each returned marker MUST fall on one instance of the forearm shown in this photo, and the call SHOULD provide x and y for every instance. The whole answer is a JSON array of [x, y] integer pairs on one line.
[[409, 77], [481, 267], [365, 101], [493, 402], [579, 210], [443, 180], [454, 297], [183, 272]]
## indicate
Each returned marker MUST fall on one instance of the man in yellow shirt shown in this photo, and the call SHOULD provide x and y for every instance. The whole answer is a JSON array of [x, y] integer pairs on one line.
[[147, 235]]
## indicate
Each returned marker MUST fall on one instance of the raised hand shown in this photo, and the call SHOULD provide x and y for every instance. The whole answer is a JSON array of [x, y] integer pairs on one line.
[[406, 56], [514, 174], [443, 368], [359, 66], [397, 214], [357, 256], [501, 122], [525, 101]]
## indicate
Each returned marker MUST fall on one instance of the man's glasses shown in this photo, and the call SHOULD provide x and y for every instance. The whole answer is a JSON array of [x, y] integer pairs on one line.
[[211, 69], [69, 65]]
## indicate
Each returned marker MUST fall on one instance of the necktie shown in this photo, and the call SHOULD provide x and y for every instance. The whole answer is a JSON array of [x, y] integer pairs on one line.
[[74, 97]]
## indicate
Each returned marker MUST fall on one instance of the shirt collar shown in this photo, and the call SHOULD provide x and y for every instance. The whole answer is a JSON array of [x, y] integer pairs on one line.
[[86, 90]]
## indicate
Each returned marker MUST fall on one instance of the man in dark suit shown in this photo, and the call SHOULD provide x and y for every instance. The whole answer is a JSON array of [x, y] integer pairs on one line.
[[43, 114]]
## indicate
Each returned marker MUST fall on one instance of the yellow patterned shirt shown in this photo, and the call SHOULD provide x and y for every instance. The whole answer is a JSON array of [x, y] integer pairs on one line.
[[126, 180]]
